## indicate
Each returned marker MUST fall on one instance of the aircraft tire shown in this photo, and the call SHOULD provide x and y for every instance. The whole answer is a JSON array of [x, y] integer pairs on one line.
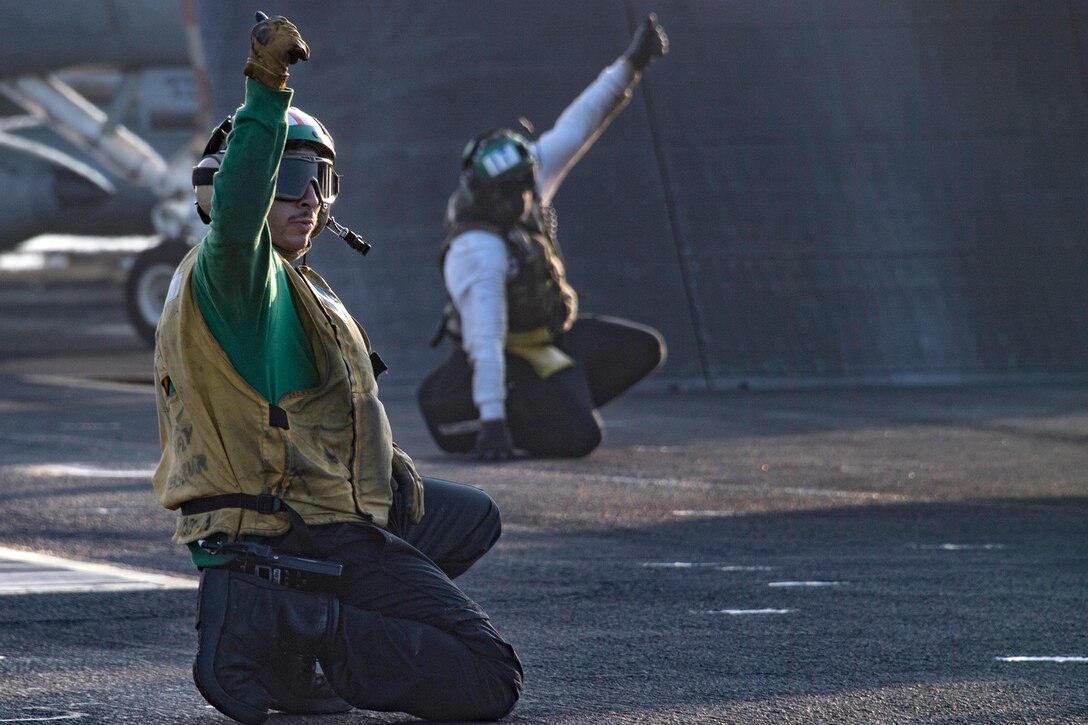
[[147, 283]]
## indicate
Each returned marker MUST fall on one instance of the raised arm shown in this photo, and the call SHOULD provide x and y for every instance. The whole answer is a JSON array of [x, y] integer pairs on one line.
[[586, 118]]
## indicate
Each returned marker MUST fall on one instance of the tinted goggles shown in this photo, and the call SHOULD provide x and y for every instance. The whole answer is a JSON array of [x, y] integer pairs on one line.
[[298, 172]]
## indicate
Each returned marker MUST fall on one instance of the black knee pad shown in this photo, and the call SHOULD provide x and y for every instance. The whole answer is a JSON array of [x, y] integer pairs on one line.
[[243, 623]]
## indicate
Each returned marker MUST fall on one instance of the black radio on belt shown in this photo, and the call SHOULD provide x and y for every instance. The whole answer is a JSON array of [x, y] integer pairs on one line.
[[263, 561]]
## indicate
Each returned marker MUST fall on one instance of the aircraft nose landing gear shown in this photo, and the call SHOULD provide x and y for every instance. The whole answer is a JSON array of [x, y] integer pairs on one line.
[[147, 284]]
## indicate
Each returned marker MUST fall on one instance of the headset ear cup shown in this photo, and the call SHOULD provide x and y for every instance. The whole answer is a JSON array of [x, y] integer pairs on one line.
[[203, 173], [466, 186], [218, 140]]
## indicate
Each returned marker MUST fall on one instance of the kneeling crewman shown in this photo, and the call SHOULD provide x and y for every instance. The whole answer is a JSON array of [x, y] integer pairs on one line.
[[306, 520]]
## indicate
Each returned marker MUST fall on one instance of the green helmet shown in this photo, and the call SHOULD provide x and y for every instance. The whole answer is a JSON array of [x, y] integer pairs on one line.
[[298, 168], [304, 128], [498, 157]]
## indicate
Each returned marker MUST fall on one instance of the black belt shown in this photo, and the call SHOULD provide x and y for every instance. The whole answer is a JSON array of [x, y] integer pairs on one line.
[[264, 503], [285, 570]]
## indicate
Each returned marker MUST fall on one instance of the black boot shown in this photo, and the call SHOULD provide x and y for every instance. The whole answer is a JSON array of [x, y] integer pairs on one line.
[[298, 688], [243, 622]]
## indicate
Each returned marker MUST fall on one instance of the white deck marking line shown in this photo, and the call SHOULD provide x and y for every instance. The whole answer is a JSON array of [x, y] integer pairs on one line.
[[959, 547], [702, 565], [79, 244], [807, 584], [96, 577], [107, 510], [68, 715], [70, 469], [679, 564], [741, 612], [1042, 658], [70, 381], [692, 513], [723, 485]]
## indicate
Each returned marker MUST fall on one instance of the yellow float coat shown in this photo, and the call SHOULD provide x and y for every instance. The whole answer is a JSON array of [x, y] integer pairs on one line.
[[332, 463]]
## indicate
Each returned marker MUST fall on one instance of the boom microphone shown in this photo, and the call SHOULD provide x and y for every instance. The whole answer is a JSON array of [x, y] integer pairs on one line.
[[353, 240]]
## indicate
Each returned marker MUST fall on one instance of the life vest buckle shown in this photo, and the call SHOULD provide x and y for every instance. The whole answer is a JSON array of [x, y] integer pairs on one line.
[[268, 504]]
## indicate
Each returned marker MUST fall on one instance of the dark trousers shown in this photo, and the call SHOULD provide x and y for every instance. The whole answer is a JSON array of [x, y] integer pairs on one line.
[[409, 640], [554, 416]]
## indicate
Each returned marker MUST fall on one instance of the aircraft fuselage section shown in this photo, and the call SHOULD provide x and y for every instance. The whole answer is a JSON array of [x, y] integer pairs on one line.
[[45, 37]]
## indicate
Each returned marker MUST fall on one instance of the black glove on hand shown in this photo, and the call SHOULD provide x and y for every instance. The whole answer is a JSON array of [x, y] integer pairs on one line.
[[492, 442], [274, 44], [407, 491], [648, 42]]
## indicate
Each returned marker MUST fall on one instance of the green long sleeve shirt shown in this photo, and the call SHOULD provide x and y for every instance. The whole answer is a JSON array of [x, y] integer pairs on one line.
[[239, 278]]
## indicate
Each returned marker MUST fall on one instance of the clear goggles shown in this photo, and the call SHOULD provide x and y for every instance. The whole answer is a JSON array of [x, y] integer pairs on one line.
[[297, 172]]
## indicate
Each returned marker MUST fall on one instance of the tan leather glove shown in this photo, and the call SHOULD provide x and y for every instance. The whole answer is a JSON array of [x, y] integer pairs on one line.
[[274, 44], [407, 489]]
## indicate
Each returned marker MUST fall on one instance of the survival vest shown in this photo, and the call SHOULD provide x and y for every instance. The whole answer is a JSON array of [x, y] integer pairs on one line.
[[537, 292], [327, 452]]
